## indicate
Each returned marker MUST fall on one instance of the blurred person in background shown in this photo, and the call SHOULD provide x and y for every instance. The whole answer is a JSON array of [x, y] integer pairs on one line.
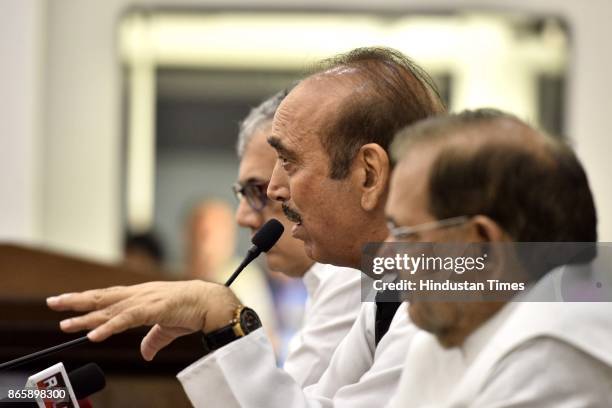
[[143, 252], [210, 245], [333, 292], [210, 237], [512, 184]]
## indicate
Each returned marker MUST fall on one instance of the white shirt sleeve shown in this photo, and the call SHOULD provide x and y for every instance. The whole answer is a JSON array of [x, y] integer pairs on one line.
[[243, 373], [546, 372], [332, 310], [377, 374], [240, 374]]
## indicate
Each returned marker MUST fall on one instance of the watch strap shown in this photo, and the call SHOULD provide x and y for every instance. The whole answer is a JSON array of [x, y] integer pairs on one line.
[[220, 337]]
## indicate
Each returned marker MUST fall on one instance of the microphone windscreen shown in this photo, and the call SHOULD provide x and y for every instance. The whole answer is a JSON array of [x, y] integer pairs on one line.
[[87, 380], [266, 237]]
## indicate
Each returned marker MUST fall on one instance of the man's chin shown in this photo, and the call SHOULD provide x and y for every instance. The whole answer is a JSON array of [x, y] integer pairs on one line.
[[437, 318], [314, 251], [423, 315], [320, 254], [308, 249], [276, 260], [299, 232]]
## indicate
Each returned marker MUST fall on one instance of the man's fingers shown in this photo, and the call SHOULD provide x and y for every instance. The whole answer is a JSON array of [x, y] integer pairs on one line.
[[88, 321], [159, 337], [89, 300], [123, 321]]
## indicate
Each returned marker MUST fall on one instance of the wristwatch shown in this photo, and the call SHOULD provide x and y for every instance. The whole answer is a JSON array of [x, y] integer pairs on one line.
[[244, 322]]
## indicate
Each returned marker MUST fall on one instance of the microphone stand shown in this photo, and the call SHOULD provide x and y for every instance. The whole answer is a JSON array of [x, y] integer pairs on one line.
[[42, 353]]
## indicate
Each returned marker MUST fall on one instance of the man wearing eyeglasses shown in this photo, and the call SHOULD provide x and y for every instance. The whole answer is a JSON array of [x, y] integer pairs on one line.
[[331, 135], [486, 178], [334, 295]]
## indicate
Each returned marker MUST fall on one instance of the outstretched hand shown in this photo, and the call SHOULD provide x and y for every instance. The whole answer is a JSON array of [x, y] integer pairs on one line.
[[174, 309]]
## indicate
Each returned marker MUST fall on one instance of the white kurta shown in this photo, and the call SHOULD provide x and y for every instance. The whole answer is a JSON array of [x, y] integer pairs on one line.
[[332, 306], [244, 374], [530, 354]]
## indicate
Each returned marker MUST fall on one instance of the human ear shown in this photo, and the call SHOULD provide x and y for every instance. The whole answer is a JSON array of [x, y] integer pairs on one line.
[[493, 241], [484, 229], [372, 166]]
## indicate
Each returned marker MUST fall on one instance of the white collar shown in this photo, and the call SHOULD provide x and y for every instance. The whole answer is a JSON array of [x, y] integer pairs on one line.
[[313, 277]]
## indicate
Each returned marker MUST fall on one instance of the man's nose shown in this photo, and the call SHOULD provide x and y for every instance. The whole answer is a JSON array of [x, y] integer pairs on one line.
[[278, 188], [247, 217]]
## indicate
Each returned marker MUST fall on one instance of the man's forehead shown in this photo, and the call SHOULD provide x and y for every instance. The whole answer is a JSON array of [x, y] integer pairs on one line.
[[259, 168], [315, 97], [306, 111], [408, 187], [258, 158], [417, 160]]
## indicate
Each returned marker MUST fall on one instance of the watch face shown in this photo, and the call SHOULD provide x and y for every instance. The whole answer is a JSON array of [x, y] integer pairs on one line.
[[249, 320]]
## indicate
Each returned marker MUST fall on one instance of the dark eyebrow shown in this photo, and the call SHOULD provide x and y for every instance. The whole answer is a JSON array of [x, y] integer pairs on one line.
[[280, 148]]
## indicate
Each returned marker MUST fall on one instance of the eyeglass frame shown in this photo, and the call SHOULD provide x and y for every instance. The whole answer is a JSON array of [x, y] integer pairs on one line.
[[402, 232], [262, 186]]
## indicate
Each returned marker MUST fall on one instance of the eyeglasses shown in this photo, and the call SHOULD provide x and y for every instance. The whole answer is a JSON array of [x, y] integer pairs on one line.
[[406, 232], [254, 192]]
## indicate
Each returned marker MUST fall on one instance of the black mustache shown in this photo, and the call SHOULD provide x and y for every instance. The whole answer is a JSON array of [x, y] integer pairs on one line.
[[291, 215]]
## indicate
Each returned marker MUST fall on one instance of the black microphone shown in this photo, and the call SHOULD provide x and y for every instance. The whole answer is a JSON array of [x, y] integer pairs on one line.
[[87, 380], [83, 382], [262, 241]]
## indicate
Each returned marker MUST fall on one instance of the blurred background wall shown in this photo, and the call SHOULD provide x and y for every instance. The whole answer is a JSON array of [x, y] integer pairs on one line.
[[64, 165]]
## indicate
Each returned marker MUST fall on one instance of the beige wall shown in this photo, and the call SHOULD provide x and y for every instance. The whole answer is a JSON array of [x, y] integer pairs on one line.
[[69, 197], [21, 53]]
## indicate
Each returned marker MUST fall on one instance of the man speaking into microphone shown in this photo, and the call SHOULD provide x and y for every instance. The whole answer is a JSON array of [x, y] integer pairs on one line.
[[331, 134], [334, 293]]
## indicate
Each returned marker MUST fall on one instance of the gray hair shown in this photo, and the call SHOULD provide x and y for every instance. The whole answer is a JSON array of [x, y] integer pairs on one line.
[[256, 118]]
